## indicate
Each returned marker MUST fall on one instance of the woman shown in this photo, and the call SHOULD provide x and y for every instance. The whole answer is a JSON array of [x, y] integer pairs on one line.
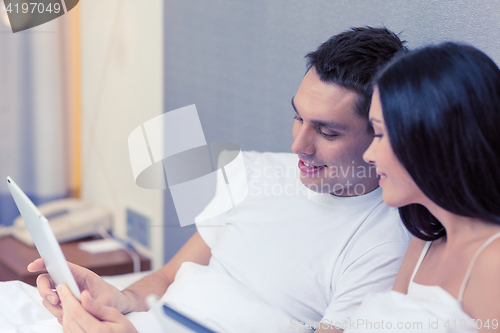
[[436, 116]]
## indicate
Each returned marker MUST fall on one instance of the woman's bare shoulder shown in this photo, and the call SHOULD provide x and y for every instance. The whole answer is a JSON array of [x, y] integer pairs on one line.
[[408, 265], [482, 291]]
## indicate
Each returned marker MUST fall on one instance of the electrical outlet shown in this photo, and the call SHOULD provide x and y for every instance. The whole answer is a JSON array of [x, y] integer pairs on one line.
[[138, 227]]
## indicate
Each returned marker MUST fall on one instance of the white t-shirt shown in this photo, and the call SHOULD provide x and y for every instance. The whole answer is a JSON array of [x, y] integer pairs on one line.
[[313, 256]]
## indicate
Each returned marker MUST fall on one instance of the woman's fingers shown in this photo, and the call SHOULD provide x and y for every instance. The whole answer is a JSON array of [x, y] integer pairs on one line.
[[90, 315], [50, 298], [36, 266], [55, 310], [74, 313], [46, 288]]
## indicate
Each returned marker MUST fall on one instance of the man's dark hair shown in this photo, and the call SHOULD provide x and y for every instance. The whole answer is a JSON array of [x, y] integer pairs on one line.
[[351, 59], [441, 109]]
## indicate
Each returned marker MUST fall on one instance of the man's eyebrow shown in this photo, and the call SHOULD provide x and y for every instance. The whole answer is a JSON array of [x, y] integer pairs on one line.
[[328, 124]]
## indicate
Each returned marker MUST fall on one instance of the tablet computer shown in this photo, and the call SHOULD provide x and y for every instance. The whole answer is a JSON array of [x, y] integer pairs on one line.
[[44, 239]]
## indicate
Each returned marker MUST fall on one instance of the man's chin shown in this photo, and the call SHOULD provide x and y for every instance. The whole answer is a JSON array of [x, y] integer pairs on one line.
[[337, 189], [315, 187]]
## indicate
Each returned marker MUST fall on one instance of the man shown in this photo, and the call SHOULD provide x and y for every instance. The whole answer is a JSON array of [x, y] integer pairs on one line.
[[310, 253]]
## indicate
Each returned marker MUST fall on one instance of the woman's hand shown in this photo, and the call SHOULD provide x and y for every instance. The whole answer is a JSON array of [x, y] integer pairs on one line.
[[90, 315], [101, 291]]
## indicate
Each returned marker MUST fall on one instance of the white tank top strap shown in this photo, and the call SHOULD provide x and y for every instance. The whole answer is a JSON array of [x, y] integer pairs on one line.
[[471, 264], [422, 256]]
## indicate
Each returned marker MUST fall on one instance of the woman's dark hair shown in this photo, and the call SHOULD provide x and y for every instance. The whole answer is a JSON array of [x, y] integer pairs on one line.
[[441, 107]]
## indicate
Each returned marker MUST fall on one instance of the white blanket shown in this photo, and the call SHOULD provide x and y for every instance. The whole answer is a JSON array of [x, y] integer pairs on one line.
[[206, 295], [218, 301], [21, 310]]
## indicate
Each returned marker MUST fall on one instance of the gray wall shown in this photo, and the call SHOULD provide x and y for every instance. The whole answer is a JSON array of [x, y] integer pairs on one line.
[[241, 62]]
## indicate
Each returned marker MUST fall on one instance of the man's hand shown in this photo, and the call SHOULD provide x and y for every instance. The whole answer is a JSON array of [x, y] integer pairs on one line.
[[90, 315], [101, 291]]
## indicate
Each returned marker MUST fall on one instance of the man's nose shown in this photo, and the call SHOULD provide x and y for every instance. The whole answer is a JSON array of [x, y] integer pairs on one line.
[[303, 142]]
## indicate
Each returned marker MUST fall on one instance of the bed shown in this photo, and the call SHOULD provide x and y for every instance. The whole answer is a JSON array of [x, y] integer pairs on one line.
[[21, 309]]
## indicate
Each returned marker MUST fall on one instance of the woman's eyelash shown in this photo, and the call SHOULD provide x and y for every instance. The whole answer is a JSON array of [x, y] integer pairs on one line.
[[378, 136], [297, 118]]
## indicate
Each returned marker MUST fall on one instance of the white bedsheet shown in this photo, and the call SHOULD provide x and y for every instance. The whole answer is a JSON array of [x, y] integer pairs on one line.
[[21, 309], [223, 304], [235, 308]]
